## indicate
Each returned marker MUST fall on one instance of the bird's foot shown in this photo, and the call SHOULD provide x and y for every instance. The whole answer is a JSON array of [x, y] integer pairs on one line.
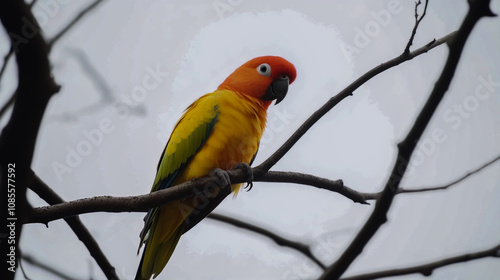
[[248, 173], [222, 177]]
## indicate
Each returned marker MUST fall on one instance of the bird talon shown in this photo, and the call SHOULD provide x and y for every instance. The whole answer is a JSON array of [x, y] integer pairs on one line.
[[249, 173], [223, 179], [249, 186]]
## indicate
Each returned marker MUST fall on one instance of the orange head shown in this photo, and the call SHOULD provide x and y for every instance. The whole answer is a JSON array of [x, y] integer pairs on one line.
[[265, 78]]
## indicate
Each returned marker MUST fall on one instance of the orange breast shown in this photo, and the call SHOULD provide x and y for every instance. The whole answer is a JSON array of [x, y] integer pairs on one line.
[[234, 138]]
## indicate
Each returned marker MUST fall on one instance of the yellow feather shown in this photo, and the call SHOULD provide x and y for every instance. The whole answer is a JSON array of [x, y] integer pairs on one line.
[[234, 138]]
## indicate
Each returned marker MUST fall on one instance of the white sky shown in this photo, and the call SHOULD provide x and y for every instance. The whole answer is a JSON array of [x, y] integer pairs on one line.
[[198, 47]]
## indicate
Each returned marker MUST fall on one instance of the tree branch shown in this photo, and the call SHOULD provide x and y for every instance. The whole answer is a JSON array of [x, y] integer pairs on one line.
[[452, 183], [101, 85], [318, 182], [47, 194], [301, 247], [138, 203], [35, 87], [406, 147], [7, 104], [274, 158], [428, 268], [335, 186], [129, 204], [6, 59], [38, 45], [50, 44], [33, 261], [78, 17], [415, 27]]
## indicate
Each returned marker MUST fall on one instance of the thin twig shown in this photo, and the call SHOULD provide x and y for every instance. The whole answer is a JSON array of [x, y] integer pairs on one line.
[[7, 104], [407, 146], [33, 261], [22, 267], [51, 197], [32, 3], [75, 20], [301, 247], [274, 158], [6, 59], [415, 27], [428, 268], [450, 184]]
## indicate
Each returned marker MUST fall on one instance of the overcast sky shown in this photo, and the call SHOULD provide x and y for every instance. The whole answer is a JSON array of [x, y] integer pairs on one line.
[[186, 50]]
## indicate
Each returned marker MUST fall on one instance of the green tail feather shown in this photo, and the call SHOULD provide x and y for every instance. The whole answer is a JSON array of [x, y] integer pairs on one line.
[[163, 255]]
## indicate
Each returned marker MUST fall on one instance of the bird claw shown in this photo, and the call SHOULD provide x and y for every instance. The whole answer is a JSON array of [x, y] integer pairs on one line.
[[249, 173], [249, 186], [223, 179]]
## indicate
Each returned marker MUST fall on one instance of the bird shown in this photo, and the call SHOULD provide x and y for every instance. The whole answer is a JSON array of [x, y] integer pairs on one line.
[[219, 131]]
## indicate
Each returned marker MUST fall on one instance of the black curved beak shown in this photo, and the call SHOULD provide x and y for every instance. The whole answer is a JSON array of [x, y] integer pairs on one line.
[[277, 90]]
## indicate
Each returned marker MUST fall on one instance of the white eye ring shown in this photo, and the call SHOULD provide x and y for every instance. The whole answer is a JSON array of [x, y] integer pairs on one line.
[[264, 69]]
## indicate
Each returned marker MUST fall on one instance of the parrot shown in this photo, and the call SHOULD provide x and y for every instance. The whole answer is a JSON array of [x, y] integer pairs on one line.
[[218, 131]]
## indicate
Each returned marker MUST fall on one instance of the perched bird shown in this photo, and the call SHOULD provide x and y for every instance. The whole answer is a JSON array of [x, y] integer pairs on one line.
[[217, 131]]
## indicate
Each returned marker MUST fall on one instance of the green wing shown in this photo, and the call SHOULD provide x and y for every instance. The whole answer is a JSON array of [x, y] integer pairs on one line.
[[187, 138]]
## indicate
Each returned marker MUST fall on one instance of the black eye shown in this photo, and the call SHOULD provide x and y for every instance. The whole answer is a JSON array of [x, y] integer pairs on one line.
[[264, 69]]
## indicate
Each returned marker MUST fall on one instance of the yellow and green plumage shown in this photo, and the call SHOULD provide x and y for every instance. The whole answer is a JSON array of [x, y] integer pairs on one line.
[[219, 130]]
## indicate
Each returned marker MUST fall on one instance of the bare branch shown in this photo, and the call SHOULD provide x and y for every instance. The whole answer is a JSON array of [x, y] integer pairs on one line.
[[274, 158], [298, 246], [93, 74], [7, 104], [318, 182], [406, 147], [50, 44], [358, 197], [35, 87], [97, 79], [6, 59], [452, 183], [33, 261], [78, 17], [138, 203], [22, 267], [101, 85], [428, 268], [129, 204], [415, 27], [47, 194]]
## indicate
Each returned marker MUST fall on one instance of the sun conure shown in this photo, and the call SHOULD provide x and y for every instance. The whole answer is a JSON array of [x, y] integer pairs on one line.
[[217, 131]]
